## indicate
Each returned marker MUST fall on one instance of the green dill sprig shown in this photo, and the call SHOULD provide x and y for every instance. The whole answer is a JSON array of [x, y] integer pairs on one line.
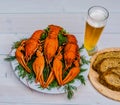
[[10, 58], [84, 60], [81, 48], [61, 38], [81, 78], [82, 70], [45, 34], [17, 44], [46, 72], [54, 84], [22, 73], [70, 90]]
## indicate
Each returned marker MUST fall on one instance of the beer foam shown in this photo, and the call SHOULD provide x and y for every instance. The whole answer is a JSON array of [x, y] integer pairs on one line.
[[97, 19]]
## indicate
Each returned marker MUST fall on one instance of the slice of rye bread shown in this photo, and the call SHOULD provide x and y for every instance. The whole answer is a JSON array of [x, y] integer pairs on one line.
[[114, 53], [111, 79], [108, 63], [116, 70]]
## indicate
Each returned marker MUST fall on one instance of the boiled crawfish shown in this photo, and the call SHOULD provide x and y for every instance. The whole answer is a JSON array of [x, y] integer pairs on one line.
[[51, 42], [21, 58], [74, 71], [72, 58], [57, 66], [31, 45], [71, 51], [38, 66], [27, 48]]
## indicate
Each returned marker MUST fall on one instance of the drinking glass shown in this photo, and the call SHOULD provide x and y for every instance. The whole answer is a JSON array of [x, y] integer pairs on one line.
[[96, 20]]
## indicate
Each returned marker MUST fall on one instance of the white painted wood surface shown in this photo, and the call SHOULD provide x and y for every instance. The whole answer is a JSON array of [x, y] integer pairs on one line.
[[19, 19], [55, 6]]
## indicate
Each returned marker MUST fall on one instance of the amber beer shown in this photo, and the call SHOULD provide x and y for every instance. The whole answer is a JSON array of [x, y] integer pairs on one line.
[[96, 21], [92, 35]]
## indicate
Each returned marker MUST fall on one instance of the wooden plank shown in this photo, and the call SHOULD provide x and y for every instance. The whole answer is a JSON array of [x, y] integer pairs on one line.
[[46, 6], [6, 42], [74, 23], [24, 23]]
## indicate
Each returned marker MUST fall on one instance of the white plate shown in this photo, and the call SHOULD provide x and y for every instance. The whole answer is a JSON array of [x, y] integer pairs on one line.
[[35, 86]]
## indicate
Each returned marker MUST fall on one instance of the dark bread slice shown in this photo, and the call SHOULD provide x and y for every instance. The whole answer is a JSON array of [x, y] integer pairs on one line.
[[116, 70], [108, 63], [111, 79], [100, 57]]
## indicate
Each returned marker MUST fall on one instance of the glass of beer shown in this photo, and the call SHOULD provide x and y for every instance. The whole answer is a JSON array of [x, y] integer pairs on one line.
[[95, 23]]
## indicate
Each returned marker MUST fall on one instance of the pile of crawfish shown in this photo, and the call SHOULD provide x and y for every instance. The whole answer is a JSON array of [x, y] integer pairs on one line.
[[63, 60]]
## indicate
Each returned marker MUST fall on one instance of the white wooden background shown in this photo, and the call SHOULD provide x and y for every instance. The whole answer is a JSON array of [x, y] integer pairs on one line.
[[20, 18]]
